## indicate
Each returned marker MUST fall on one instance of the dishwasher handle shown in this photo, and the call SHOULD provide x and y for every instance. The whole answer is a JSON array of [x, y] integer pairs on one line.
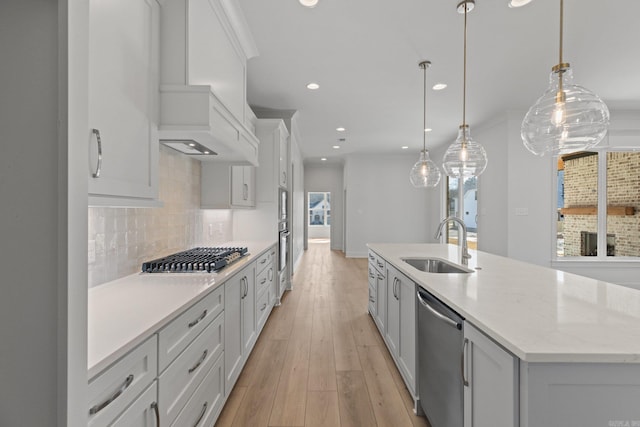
[[437, 314]]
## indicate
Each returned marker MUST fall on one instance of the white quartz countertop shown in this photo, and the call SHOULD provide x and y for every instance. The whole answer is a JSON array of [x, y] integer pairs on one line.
[[125, 312], [537, 313]]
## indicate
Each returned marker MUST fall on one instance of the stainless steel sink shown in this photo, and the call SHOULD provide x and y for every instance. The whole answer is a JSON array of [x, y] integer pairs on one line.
[[435, 265]]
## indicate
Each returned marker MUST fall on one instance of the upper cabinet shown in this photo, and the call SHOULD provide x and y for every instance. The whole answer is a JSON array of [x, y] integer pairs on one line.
[[123, 102], [205, 45], [273, 136]]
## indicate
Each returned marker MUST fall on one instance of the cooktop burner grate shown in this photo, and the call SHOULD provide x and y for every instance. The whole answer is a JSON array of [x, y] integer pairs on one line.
[[194, 260]]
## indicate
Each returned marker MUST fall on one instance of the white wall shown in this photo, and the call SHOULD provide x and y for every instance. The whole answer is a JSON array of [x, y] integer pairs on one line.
[[323, 178], [298, 210], [43, 188], [383, 206]]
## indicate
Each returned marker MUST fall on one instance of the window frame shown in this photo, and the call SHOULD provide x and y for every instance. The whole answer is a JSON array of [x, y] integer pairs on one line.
[[601, 259], [325, 210]]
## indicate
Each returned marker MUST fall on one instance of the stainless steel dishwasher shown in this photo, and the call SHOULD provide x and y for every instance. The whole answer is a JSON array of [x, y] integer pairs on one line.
[[440, 381]]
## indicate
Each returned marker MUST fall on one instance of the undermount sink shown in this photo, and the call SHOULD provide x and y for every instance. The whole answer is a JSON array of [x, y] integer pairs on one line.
[[435, 265]]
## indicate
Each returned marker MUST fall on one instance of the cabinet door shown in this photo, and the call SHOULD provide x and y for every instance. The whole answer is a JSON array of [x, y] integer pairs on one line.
[[284, 160], [243, 186], [249, 310], [123, 98], [392, 330], [490, 399], [381, 296], [233, 291], [407, 345]]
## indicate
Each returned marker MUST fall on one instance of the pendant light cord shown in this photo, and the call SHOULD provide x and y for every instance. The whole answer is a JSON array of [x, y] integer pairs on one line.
[[560, 64], [464, 72], [424, 118]]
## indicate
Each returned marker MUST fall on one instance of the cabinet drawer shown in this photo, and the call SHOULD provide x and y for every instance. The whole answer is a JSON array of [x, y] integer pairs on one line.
[[183, 376], [141, 413], [113, 390], [263, 308], [264, 279], [263, 261], [177, 335], [377, 262], [205, 404]]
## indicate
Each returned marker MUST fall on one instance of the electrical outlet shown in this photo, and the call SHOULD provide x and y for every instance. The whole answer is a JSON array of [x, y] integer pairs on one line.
[[210, 230]]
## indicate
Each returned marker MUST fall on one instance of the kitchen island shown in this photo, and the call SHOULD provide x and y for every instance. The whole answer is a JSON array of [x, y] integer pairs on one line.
[[574, 342]]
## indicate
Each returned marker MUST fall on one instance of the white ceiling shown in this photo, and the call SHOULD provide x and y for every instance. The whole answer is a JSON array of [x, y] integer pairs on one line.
[[365, 54]]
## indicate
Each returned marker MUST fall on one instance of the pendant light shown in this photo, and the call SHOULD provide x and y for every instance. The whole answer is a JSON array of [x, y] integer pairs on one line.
[[567, 117], [465, 157], [425, 173]]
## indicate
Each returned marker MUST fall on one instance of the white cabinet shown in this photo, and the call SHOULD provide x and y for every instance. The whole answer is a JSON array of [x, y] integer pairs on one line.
[[491, 396], [273, 157], [123, 102], [240, 320], [400, 331], [243, 186], [225, 186], [378, 290], [283, 154], [265, 279], [112, 391]]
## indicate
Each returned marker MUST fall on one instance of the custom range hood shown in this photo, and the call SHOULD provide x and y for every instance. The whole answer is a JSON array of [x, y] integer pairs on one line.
[[205, 45]]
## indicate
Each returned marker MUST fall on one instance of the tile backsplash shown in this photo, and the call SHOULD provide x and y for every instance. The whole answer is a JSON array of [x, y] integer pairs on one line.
[[121, 239]]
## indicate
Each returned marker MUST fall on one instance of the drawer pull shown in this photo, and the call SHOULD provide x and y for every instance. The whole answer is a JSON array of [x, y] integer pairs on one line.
[[97, 408], [156, 411], [204, 411], [263, 261], [195, 322], [96, 174], [380, 264], [197, 365], [263, 306], [372, 276], [263, 281]]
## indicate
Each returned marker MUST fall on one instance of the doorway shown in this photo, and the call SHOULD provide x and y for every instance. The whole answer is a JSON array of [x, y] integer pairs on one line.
[[319, 218]]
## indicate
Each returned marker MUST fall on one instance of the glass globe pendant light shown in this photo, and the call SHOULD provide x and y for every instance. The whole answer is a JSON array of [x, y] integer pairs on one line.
[[567, 117], [465, 157], [425, 173]]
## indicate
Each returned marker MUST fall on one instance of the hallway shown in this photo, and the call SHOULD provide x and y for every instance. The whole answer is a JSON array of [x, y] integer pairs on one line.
[[320, 360]]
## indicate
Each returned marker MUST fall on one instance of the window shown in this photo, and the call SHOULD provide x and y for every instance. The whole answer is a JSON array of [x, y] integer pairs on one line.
[[319, 209], [463, 203], [598, 202]]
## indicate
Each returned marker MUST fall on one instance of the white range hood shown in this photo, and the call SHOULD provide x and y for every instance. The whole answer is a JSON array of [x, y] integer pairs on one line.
[[205, 47]]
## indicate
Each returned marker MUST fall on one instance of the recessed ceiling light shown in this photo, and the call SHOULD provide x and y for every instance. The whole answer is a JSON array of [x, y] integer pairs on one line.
[[404, 147], [336, 146], [428, 130], [313, 86], [518, 3], [439, 86], [340, 129], [324, 159], [192, 144], [308, 3]]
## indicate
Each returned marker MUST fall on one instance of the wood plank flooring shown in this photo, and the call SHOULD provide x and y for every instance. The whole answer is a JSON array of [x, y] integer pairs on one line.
[[320, 360]]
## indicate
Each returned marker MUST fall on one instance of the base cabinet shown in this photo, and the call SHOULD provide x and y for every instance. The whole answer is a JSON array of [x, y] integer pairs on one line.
[[491, 396], [142, 412]]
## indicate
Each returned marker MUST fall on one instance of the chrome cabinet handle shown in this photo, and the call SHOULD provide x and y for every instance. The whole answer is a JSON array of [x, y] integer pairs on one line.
[[371, 257], [204, 411], [263, 261], [264, 305], [154, 406], [195, 322], [270, 274], [463, 363], [245, 192], [97, 408], [263, 281], [380, 264], [284, 177], [96, 174], [433, 311], [199, 362]]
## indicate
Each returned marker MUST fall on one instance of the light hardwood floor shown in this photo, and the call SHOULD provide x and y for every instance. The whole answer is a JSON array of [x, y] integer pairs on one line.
[[320, 360]]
